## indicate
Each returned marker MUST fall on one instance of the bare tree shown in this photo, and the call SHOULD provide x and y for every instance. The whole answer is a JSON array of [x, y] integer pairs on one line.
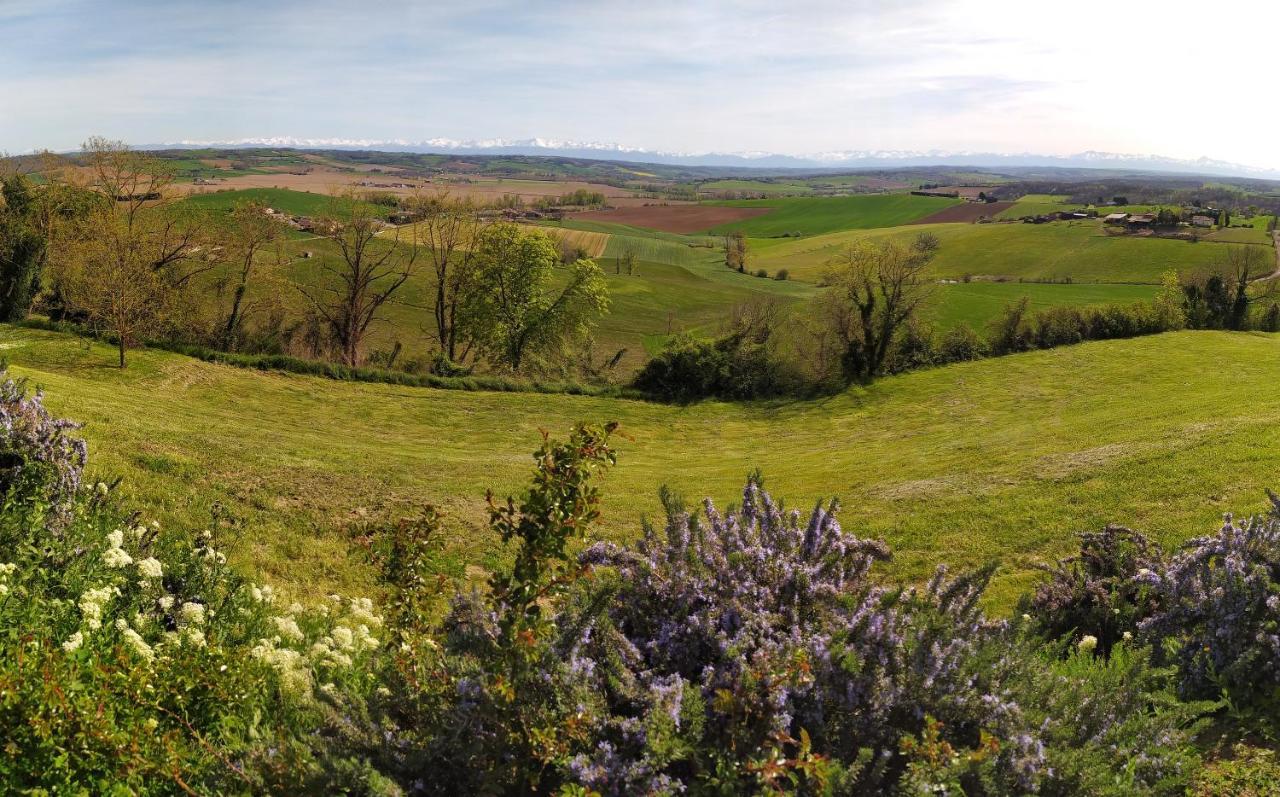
[[368, 272], [127, 258], [250, 232], [875, 291], [448, 232]]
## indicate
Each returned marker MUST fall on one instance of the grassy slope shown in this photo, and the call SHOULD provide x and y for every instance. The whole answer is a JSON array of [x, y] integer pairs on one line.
[[298, 203], [1079, 250], [1002, 458], [819, 215], [976, 303]]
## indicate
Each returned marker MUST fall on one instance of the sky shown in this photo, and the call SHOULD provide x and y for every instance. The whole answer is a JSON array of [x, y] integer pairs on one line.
[[1178, 79]]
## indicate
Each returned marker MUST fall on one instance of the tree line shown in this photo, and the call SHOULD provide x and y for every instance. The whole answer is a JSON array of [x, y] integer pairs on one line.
[[870, 321], [107, 242]]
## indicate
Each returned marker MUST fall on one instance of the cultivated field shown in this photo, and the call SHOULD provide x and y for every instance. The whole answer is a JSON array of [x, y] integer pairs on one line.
[[1002, 458], [967, 213], [677, 218], [817, 215]]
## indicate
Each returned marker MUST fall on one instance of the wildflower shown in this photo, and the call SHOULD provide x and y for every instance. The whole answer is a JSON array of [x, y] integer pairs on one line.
[[344, 637], [91, 604], [102, 488], [139, 645], [165, 602], [1026, 618], [193, 637], [151, 568], [1087, 643], [117, 558], [151, 724], [1128, 636], [289, 664], [7, 569], [73, 642], [191, 614], [288, 628], [115, 539]]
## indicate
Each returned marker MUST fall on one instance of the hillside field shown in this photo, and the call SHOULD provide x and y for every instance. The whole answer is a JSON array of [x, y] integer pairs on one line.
[[818, 215], [996, 459], [1081, 251]]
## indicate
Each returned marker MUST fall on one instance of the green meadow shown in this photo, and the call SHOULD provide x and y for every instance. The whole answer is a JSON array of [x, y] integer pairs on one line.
[[819, 215], [977, 303], [999, 459]]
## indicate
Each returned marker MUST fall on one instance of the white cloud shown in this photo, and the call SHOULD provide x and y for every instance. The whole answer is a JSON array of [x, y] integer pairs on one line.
[[1180, 79]]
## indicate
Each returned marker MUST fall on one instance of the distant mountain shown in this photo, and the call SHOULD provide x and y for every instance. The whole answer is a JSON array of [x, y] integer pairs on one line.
[[841, 159]]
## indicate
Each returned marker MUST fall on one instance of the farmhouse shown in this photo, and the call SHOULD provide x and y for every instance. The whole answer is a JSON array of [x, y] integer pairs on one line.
[[1204, 220], [1116, 218], [1142, 220]]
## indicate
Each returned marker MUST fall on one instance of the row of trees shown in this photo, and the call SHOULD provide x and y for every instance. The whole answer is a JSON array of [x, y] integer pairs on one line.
[[869, 322], [106, 241]]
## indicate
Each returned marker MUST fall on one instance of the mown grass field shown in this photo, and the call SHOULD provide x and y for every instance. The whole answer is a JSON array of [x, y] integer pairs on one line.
[[1034, 205], [1080, 250], [819, 215], [977, 303], [998, 459]]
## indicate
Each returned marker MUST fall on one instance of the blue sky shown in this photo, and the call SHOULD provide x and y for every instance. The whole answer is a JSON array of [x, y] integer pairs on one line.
[[1179, 79]]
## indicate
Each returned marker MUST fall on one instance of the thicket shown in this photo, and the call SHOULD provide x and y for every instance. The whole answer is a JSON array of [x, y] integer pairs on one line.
[[731, 651]]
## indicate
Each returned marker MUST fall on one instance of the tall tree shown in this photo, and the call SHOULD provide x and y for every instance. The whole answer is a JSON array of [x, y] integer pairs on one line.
[[368, 271], [875, 291], [447, 231], [128, 261], [22, 247], [247, 236], [513, 309]]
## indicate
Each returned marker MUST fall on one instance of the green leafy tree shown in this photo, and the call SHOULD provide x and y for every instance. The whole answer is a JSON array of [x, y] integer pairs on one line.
[[22, 248], [518, 307]]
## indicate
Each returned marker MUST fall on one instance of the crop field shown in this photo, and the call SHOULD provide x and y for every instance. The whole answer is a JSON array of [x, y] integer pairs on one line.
[[1034, 205], [968, 212], [772, 187], [677, 218], [298, 203], [976, 303], [818, 215], [1002, 458], [1081, 251], [593, 243]]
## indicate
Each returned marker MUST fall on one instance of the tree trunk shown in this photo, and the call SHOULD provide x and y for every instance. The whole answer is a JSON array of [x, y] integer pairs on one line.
[[121, 340]]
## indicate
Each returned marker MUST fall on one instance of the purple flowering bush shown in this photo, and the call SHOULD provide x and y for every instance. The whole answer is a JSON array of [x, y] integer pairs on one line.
[[41, 461], [1098, 592], [1220, 613]]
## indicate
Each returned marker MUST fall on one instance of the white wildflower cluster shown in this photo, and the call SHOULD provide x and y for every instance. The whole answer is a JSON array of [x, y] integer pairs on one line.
[[1087, 644], [73, 642], [6, 570], [295, 675], [116, 556], [91, 603], [150, 568], [263, 594], [288, 628]]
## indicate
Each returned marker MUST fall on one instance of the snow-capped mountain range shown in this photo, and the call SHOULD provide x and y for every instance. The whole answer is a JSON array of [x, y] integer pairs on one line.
[[839, 159]]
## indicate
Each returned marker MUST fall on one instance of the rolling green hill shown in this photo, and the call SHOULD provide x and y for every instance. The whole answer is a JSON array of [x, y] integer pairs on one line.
[[819, 215], [1001, 458], [1077, 250]]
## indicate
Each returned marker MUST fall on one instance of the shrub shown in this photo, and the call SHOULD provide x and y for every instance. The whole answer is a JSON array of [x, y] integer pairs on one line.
[[762, 273], [1012, 331], [960, 344], [1220, 612], [1096, 592], [782, 275], [41, 463]]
